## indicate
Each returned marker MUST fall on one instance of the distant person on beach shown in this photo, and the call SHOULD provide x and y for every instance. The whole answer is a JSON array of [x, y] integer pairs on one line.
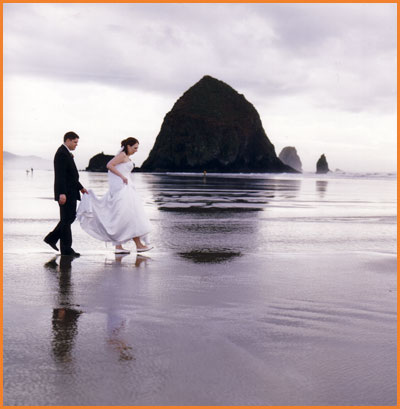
[[66, 193], [119, 215]]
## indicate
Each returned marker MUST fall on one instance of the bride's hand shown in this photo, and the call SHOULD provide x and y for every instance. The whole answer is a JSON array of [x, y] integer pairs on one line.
[[125, 180]]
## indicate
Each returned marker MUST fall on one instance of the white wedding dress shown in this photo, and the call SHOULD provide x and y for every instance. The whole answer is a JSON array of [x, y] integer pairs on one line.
[[119, 215]]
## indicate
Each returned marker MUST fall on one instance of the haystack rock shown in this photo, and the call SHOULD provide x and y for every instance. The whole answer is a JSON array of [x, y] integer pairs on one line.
[[290, 157], [98, 163], [213, 128], [322, 165]]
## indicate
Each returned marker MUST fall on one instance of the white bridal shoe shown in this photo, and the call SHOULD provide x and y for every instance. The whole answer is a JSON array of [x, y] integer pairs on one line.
[[147, 248], [121, 251]]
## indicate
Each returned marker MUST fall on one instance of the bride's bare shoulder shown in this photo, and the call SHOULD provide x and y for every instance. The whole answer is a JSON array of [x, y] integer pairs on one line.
[[117, 159], [122, 157]]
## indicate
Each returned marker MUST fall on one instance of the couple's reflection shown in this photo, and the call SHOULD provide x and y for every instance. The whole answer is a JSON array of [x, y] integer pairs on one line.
[[117, 339], [66, 313], [65, 316], [116, 324]]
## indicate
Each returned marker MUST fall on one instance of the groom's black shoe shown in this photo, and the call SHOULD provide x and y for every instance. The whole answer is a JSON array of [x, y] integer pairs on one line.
[[50, 243], [71, 253]]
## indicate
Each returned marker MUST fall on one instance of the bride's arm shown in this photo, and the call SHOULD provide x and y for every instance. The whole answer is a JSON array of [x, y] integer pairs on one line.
[[115, 161]]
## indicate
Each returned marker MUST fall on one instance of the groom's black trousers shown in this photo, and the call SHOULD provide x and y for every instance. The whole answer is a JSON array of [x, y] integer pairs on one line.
[[62, 231]]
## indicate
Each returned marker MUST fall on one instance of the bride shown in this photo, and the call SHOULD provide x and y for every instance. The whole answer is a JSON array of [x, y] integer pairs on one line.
[[118, 216]]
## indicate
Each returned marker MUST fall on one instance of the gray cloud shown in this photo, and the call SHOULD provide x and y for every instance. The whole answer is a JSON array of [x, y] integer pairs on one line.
[[338, 55]]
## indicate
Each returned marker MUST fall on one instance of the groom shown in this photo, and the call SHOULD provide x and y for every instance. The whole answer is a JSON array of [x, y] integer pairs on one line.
[[66, 192]]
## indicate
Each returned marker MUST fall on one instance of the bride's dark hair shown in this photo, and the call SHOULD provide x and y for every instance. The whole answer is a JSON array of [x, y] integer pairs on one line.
[[128, 142]]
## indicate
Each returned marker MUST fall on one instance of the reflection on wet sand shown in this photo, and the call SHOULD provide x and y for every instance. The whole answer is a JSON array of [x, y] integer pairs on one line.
[[210, 256], [64, 317], [65, 329], [119, 260], [63, 275], [321, 186], [115, 327], [116, 320], [141, 259], [119, 257]]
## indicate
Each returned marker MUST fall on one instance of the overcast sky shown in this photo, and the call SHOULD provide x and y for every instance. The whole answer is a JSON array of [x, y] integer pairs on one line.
[[321, 76]]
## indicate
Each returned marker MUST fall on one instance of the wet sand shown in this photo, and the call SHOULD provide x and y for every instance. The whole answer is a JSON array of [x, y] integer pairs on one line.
[[168, 330], [232, 307]]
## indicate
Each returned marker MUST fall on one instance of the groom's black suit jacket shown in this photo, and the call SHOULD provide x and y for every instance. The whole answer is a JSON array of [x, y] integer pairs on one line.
[[66, 176]]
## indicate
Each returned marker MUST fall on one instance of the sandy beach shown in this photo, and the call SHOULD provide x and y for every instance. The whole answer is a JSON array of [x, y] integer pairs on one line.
[[261, 290], [263, 140]]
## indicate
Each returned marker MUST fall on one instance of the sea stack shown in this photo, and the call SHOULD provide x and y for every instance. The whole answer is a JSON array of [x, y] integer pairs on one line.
[[213, 128], [290, 157], [98, 163], [322, 165]]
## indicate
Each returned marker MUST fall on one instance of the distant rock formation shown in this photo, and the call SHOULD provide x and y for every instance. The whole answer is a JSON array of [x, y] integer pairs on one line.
[[98, 163], [322, 165], [213, 128], [290, 157]]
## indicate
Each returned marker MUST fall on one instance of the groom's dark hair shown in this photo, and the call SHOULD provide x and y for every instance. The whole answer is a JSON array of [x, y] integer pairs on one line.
[[70, 135]]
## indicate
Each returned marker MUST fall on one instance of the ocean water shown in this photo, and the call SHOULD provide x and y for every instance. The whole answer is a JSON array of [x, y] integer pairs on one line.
[[261, 290]]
